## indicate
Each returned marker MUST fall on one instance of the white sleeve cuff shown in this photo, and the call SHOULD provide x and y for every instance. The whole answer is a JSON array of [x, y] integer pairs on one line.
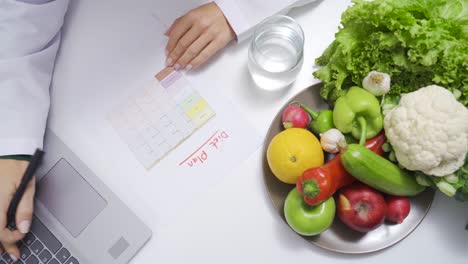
[[244, 15], [19, 146], [235, 17]]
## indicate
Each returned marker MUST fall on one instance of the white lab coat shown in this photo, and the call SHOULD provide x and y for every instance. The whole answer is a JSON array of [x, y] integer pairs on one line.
[[29, 41]]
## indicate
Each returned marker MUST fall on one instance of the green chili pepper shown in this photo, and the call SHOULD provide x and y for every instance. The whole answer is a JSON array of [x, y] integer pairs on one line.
[[322, 121], [358, 106]]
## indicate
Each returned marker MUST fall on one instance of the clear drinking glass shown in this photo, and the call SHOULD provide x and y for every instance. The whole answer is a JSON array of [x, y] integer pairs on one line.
[[276, 53]]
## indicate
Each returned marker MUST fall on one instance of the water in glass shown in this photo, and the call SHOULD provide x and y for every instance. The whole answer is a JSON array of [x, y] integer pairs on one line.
[[276, 53]]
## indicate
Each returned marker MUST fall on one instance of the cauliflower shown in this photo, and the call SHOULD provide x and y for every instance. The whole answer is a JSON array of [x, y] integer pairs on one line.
[[428, 131]]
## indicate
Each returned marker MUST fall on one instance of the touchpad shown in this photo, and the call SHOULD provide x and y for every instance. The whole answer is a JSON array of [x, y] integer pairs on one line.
[[69, 197]]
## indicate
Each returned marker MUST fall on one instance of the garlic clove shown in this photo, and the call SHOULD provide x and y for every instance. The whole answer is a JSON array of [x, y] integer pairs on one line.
[[332, 141], [377, 83]]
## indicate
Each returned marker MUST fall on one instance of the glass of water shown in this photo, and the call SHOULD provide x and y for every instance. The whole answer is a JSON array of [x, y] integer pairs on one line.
[[276, 53]]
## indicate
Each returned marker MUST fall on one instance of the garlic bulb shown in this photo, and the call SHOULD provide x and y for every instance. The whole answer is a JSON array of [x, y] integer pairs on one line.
[[377, 83], [332, 141]]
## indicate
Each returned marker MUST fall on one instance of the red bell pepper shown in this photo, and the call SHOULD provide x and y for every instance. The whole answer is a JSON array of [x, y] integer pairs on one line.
[[320, 183]]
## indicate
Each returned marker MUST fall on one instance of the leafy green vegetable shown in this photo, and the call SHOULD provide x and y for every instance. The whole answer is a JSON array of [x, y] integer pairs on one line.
[[462, 173], [457, 186], [417, 42], [388, 103]]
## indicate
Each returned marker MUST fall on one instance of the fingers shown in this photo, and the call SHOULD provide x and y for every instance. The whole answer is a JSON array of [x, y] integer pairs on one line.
[[12, 250], [10, 236], [5, 199], [197, 36], [183, 45], [193, 51], [6, 235], [207, 53], [25, 208], [169, 30], [180, 27]]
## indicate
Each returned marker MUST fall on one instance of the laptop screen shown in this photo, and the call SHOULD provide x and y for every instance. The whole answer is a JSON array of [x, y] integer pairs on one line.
[[69, 197]]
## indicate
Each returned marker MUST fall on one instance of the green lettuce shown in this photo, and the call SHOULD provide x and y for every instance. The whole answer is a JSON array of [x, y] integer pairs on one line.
[[417, 42]]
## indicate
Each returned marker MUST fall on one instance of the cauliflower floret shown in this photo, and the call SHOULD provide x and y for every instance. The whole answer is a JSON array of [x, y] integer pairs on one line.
[[429, 131]]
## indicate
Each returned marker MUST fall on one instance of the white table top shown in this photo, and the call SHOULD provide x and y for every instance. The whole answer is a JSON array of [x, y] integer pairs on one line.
[[235, 221]]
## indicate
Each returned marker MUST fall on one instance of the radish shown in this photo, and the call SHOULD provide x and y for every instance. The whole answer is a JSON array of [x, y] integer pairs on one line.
[[398, 208], [295, 116]]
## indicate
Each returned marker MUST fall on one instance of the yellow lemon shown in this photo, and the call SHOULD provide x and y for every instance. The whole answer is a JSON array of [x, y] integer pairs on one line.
[[293, 151]]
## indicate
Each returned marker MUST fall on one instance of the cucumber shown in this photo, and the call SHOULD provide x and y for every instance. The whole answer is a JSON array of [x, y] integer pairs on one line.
[[378, 172]]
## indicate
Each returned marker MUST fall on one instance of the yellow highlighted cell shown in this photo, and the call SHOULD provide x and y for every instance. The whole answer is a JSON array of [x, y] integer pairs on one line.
[[203, 116], [198, 107]]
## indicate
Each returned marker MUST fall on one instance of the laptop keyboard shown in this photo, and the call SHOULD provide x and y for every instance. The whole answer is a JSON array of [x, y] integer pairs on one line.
[[40, 246]]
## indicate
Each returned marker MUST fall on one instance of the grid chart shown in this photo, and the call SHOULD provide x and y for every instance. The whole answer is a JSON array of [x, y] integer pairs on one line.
[[159, 117]]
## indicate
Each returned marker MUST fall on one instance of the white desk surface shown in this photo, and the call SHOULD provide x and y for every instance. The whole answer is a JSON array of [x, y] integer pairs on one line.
[[234, 222]]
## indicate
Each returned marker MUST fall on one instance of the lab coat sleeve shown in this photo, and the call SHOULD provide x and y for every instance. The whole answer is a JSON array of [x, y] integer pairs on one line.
[[29, 40], [244, 15]]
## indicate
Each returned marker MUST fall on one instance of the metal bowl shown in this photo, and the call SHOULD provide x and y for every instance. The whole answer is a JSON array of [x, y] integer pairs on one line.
[[338, 237]]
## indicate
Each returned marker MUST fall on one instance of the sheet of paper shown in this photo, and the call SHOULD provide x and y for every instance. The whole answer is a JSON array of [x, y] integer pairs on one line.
[[173, 131], [160, 116], [199, 163]]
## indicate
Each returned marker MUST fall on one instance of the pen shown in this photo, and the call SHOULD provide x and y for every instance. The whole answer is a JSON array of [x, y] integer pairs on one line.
[[28, 174]]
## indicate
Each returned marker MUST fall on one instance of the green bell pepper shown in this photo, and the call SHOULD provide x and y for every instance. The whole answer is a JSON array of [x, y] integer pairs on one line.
[[322, 121], [358, 104]]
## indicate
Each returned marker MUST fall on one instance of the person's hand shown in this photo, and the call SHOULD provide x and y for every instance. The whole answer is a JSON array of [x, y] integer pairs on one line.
[[11, 173], [196, 36]]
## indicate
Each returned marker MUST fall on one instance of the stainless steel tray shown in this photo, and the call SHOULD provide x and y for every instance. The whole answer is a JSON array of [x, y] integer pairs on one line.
[[338, 237]]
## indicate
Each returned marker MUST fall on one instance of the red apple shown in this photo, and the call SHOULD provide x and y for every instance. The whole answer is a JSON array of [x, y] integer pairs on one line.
[[361, 208], [398, 208]]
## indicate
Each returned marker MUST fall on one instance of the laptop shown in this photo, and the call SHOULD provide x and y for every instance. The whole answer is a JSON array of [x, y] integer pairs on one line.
[[77, 219]]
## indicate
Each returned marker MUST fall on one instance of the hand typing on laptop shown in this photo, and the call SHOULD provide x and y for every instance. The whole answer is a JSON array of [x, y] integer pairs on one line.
[[11, 173]]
